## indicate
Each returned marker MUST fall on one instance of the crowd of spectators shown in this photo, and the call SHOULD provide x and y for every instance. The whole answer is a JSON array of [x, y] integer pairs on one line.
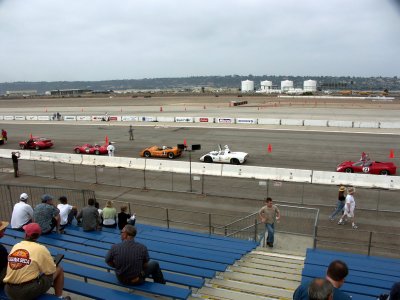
[[29, 270]]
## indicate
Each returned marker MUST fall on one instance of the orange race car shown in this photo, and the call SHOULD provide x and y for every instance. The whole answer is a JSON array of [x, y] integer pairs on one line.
[[164, 151]]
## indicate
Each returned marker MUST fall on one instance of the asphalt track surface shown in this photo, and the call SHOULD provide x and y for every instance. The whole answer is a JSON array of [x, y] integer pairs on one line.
[[292, 146], [315, 150]]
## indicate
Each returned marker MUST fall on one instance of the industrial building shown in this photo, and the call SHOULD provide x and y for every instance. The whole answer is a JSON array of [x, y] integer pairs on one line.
[[247, 86]]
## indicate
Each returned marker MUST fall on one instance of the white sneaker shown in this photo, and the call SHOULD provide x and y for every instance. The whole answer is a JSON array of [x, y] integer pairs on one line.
[[354, 226], [340, 222]]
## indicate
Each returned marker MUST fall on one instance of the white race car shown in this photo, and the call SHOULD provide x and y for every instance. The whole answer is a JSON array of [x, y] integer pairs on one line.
[[225, 156]]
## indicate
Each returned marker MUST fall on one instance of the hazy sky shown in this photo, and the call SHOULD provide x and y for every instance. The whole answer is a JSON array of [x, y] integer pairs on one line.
[[52, 40]]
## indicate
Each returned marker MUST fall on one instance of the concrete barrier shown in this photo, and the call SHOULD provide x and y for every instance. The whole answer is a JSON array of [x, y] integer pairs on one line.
[[165, 119], [292, 122], [166, 165], [389, 125], [69, 118], [1, 118], [295, 175], [200, 168], [97, 118], [19, 118], [355, 179], [43, 118], [129, 118], [8, 118], [114, 118], [95, 160], [184, 119], [83, 118], [321, 123], [147, 119], [365, 124], [6, 153], [132, 163], [246, 121], [204, 119], [31, 118], [225, 120], [338, 123], [269, 121]]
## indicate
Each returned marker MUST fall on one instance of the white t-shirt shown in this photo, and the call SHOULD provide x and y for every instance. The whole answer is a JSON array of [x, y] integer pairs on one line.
[[110, 148], [22, 214], [350, 200], [65, 209]]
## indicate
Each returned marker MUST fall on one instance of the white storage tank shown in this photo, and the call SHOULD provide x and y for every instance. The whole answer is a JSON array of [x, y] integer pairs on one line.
[[286, 85], [310, 85], [247, 86], [266, 86]]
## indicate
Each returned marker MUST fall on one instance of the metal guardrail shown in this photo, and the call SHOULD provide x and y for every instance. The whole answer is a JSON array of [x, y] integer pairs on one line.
[[358, 241], [9, 195], [294, 193]]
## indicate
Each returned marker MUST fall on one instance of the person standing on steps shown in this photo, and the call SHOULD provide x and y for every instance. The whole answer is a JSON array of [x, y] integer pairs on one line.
[[268, 214], [130, 133]]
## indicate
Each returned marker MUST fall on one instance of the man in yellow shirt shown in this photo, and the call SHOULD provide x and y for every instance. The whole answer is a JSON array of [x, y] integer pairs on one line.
[[31, 270]]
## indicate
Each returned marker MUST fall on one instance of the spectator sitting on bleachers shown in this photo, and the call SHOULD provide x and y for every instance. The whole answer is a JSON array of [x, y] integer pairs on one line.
[[22, 213], [131, 260], [336, 274], [109, 215], [394, 293], [125, 218], [89, 216], [67, 212], [320, 289], [47, 215], [31, 270]]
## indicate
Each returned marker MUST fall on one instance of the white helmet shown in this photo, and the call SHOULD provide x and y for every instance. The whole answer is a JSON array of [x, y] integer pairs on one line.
[[226, 147], [164, 147]]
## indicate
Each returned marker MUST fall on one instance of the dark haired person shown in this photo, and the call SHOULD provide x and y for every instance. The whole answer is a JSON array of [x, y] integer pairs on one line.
[[89, 216], [31, 270], [67, 212], [131, 260], [268, 214], [336, 274], [47, 215]]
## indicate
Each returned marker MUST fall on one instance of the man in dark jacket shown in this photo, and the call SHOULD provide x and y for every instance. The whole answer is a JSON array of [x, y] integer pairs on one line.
[[89, 216]]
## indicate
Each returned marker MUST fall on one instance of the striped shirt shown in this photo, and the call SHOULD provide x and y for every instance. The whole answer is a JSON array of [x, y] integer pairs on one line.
[[128, 258]]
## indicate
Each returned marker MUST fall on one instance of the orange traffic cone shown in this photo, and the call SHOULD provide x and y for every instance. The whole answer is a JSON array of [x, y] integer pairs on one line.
[[106, 139], [184, 142], [204, 107], [160, 108], [269, 148], [391, 155], [30, 136]]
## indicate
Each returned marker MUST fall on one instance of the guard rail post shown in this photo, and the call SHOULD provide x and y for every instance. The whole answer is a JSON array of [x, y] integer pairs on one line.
[[167, 213], [34, 168], [54, 170], [95, 174], [369, 243], [225, 230], [209, 223], [73, 172], [315, 237], [202, 184]]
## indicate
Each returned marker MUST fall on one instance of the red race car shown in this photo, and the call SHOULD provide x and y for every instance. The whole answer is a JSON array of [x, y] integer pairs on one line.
[[36, 143], [91, 149], [367, 167]]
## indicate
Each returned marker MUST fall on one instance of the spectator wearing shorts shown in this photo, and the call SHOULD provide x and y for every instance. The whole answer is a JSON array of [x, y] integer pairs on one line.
[[349, 208]]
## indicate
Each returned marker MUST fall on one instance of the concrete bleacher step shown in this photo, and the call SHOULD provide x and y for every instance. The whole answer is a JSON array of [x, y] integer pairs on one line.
[[262, 273]]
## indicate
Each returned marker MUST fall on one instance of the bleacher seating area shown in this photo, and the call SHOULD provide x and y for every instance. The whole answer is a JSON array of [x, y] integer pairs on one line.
[[188, 260], [369, 276]]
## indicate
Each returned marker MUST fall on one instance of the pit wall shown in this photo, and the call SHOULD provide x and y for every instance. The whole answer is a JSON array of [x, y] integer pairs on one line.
[[197, 168], [220, 120]]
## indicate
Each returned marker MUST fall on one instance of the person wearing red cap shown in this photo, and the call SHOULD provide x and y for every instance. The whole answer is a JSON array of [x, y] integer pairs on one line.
[[31, 270]]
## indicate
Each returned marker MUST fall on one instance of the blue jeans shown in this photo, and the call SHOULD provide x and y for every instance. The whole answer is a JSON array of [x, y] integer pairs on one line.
[[339, 208], [270, 229]]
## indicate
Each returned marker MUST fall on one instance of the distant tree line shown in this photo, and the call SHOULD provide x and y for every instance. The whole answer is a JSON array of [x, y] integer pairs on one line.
[[230, 81]]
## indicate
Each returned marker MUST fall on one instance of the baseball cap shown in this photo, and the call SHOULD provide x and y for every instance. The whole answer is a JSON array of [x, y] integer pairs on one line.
[[46, 197], [31, 229], [3, 224], [24, 197]]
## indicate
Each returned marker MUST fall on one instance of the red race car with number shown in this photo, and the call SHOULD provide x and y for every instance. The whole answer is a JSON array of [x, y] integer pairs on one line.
[[367, 167], [36, 143], [91, 149]]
